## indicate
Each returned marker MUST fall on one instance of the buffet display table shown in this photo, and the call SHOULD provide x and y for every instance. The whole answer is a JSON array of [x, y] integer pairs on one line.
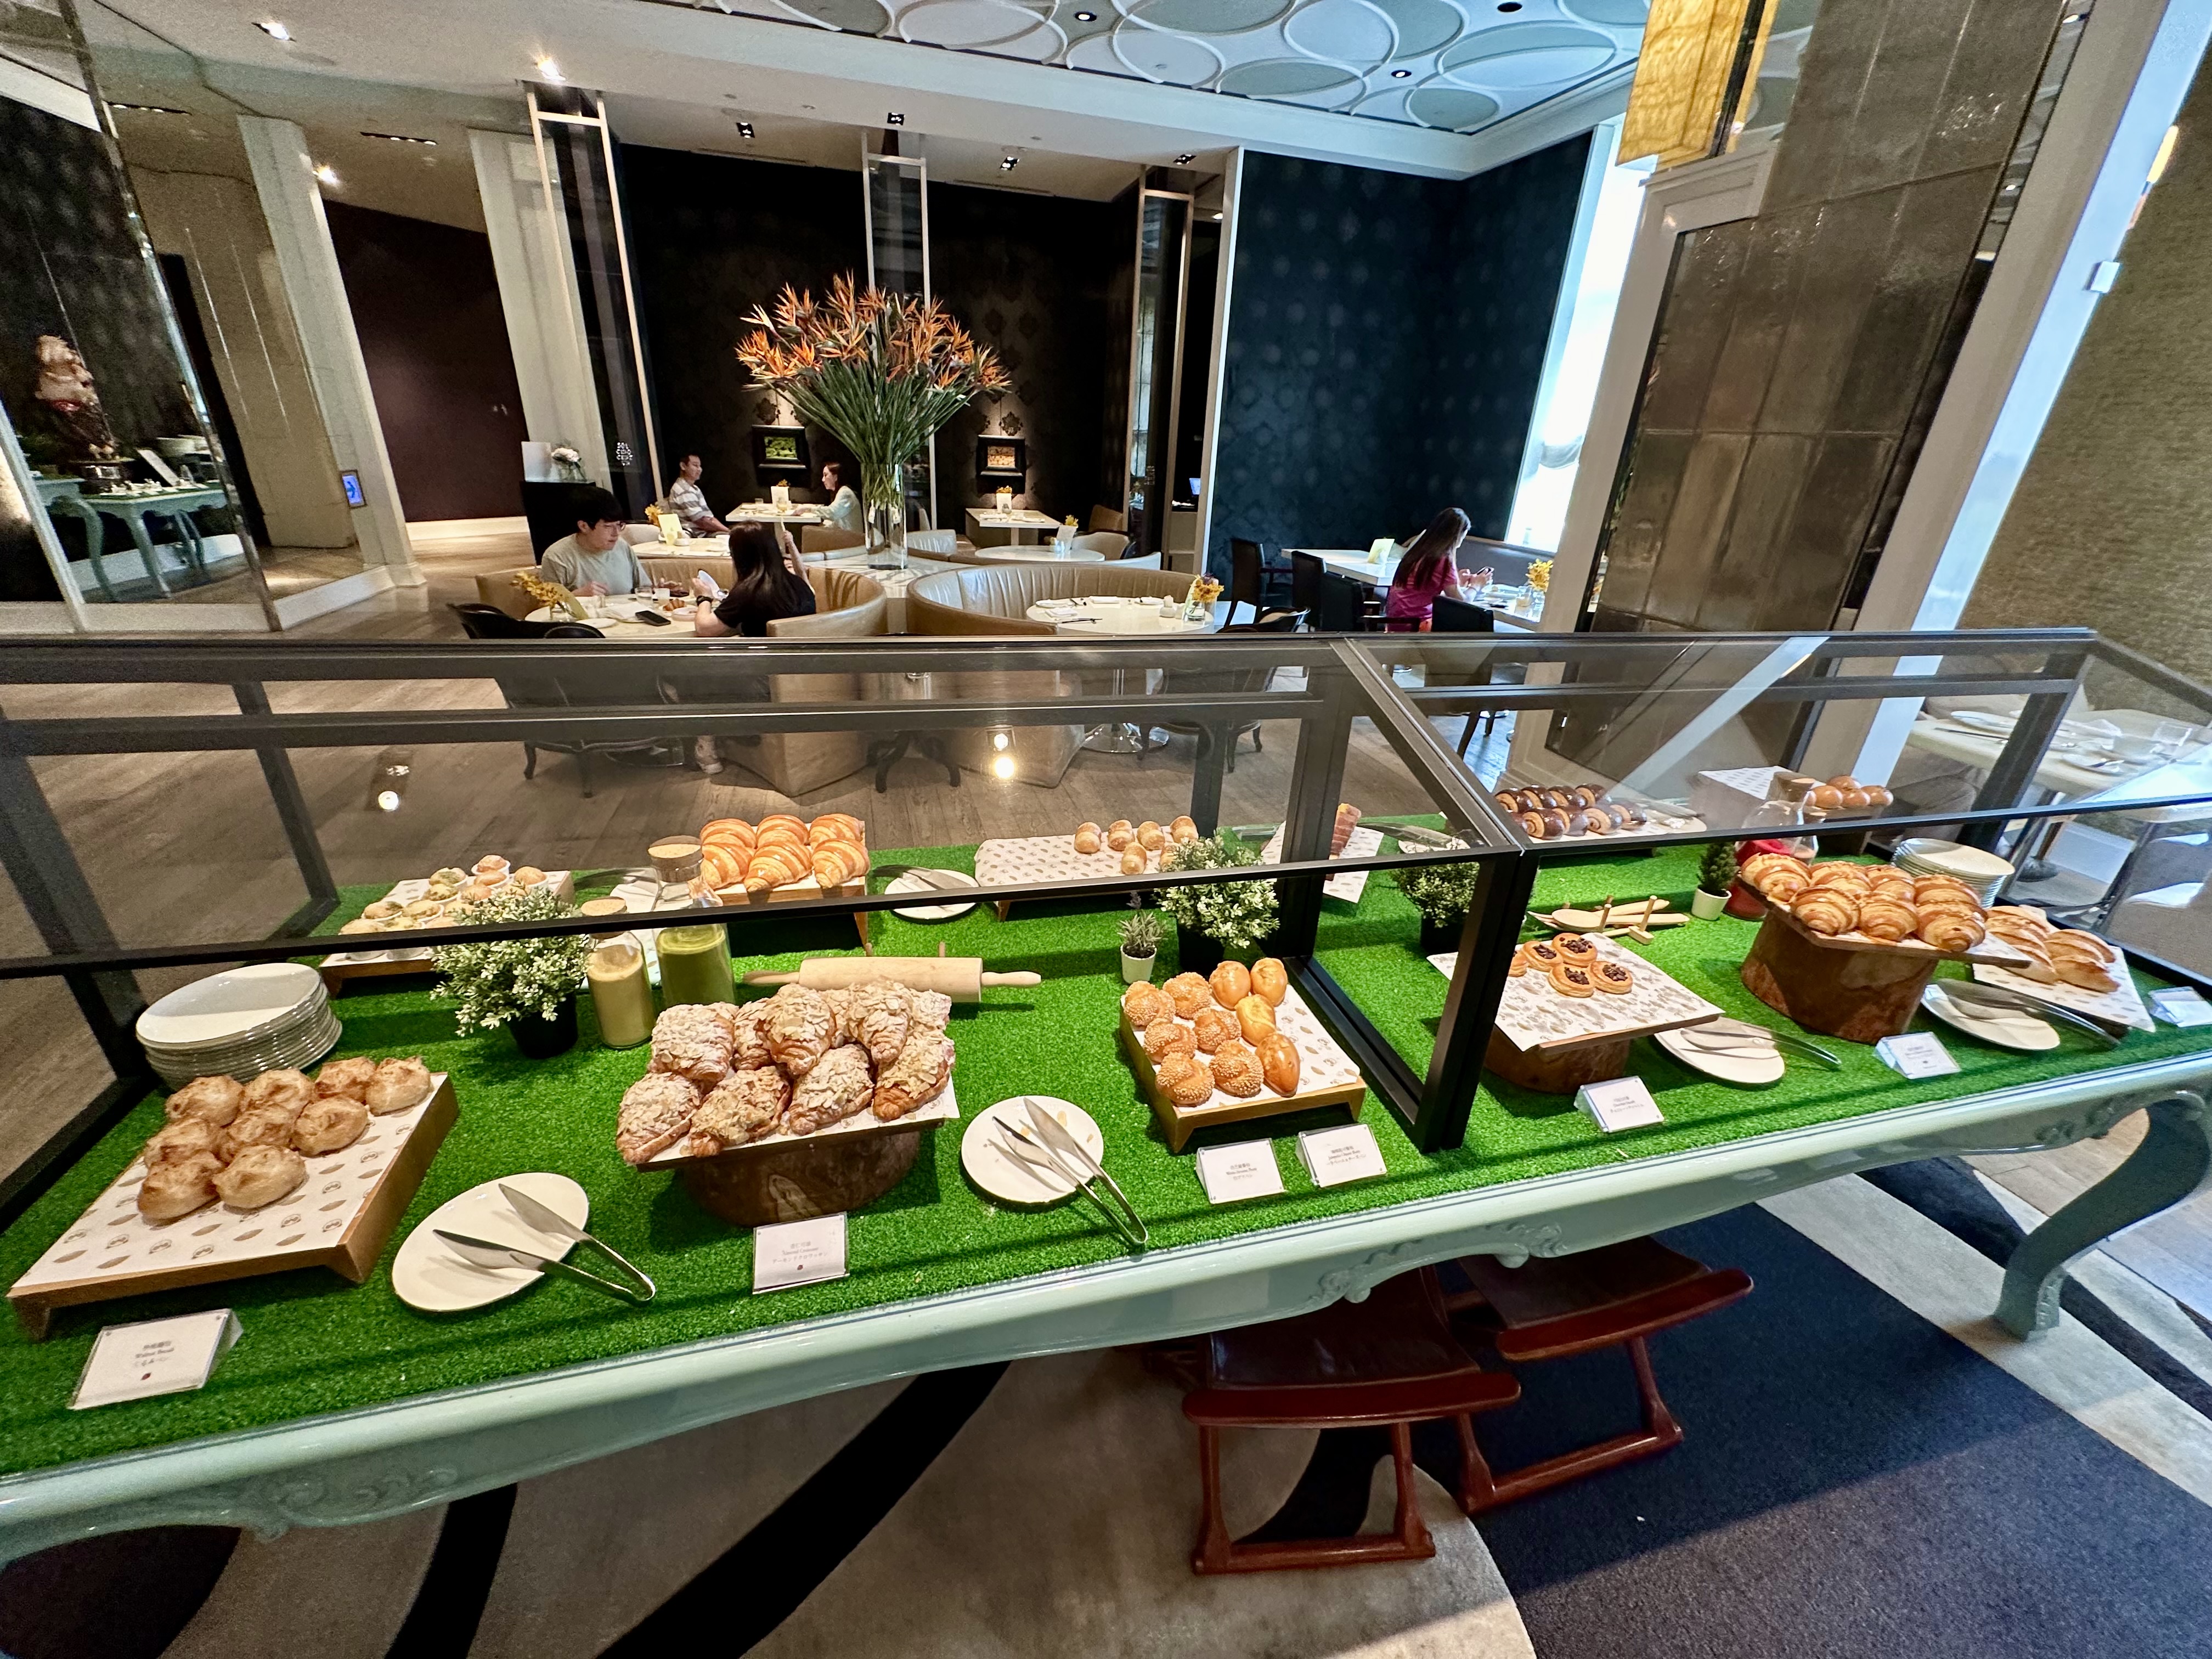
[[344, 1405]]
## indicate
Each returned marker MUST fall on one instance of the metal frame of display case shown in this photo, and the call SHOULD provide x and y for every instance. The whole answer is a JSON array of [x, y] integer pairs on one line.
[[370, 1463], [1346, 677]]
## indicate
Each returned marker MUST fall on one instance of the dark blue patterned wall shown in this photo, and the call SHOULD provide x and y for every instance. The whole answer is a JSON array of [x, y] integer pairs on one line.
[[1386, 335]]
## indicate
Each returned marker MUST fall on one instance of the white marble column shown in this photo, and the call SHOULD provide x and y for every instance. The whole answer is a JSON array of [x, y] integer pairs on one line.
[[307, 263], [537, 295]]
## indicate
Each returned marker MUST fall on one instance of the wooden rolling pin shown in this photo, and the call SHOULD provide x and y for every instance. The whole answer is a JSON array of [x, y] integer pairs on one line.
[[961, 978]]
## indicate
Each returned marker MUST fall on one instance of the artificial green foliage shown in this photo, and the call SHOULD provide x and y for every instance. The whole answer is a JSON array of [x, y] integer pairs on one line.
[[497, 981], [1141, 934], [1236, 915], [1441, 892], [1717, 868]]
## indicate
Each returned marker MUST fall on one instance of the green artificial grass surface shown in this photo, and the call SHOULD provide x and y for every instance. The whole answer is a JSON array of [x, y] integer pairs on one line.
[[315, 1345]]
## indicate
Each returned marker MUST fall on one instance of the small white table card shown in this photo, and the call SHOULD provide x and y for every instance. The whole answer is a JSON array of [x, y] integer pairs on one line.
[[1624, 1103], [1247, 1169], [792, 1252], [2181, 1006], [157, 1356], [1333, 1157], [1916, 1054]]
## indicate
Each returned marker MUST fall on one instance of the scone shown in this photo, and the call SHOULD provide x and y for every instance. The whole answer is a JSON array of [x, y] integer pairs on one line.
[[329, 1125], [351, 1077], [286, 1088], [214, 1099], [400, 1083], [260, 1175], [173, 1190]]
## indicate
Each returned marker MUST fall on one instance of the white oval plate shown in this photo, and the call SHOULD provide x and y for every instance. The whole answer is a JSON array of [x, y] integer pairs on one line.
[[2005, 1027], [1753, 1064], [1008, 1180], [429, 1275], [910, 882], [230, 1005]]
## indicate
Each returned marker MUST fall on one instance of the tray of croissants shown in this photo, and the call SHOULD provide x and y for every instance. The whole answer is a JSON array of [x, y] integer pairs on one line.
[[283, 1171], [728, 1078], [2067, 966], [784, 856], [1877, 907], [1237, 1043]]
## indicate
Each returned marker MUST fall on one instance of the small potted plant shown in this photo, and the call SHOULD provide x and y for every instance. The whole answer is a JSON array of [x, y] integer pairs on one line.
[[1220, 919], [1443, 893], [1715, 879], [1140, 946], [527, 985]]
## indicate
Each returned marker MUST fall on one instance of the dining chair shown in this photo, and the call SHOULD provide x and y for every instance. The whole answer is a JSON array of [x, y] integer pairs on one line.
[[1453, 615], [1249, 577], [1554, 1307], [1111, 543], [828, 539], [1390, 1361], [1341, 606], [1147, 562], [489, 622], [1306, 572], [1106, 518], [932, 541], [525, 686]]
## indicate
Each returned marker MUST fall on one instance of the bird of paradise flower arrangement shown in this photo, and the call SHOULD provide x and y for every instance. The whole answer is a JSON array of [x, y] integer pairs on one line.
[[880, 372]]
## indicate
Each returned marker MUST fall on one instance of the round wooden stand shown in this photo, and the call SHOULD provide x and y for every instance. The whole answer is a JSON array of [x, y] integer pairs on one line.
[[1861, 996], [1557, 1071], [803, 1179]]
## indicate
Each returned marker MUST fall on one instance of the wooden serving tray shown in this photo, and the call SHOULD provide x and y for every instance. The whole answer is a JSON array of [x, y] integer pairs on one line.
[[1992, 950], [384, 961], [1327, 1076], [341, 1218]]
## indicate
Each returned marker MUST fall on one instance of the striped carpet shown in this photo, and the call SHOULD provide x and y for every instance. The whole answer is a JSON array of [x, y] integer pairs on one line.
[[1870, 1468]]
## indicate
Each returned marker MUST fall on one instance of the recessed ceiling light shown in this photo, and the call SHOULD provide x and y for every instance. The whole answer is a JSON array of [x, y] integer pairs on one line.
[[273, 29], [1008, 163], [1217, 216], [551, 70], [327, 173], [1186, 158], [401, 139], [894, 120], [744, 128], [1087, 17], [1400, 75], [1508, 5], [147, 109]]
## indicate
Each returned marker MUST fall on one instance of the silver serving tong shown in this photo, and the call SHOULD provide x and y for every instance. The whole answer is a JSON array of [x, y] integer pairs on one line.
[[1414, 834], [541, 1217], [1998, 996], [1065, 1154], [1744, 1029]]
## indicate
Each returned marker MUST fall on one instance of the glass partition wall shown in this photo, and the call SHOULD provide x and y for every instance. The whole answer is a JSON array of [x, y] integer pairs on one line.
[[895, 198], [1163, 267], [302, 781]]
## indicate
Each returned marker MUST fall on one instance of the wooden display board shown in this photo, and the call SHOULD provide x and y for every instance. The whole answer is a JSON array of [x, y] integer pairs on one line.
[[1327, 1076], [341, 1218]]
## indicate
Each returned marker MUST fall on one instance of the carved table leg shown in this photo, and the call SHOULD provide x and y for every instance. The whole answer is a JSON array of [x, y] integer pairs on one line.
[[2172, 1160]]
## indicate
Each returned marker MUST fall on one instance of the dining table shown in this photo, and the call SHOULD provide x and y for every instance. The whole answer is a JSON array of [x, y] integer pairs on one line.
[[1031, 553], [769, 512], [1023, 524], [1113, 613], [616, 618], [1511, 607], [131, 508]]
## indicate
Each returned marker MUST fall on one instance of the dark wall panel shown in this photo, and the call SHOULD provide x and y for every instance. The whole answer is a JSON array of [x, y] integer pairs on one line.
[[1386, 336], [425, 302], [1025, 275], [710, 238]]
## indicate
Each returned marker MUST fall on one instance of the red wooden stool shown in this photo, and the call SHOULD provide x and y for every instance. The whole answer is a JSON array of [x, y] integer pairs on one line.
[[1552, 1306], [1391, 1359]]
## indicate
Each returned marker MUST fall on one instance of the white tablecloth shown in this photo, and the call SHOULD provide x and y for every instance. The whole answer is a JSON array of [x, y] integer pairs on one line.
[[1510, 611], [1042, 554], [1094, 616]]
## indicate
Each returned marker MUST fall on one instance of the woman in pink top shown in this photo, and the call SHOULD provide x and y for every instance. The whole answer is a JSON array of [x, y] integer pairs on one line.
[[1424, 570]]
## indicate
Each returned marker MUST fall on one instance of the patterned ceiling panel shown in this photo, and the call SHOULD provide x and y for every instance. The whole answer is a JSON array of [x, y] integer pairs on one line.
[[1458, 65]]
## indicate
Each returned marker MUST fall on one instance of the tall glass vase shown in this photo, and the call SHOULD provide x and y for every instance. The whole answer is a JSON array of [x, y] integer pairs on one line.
[[882, 494]]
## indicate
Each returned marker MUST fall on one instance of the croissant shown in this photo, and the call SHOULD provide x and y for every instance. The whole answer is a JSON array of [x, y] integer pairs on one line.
[[1944, 898], [772, 867], [1950, 930], [1886, 919], [1849, 876], [1765, 871], [782, 821], [1825, 910], [836, 862], [722, 866], [1782, 886], [735, 830]]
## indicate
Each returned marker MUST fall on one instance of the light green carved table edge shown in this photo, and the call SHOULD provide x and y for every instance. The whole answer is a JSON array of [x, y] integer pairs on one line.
[[368, 1465]]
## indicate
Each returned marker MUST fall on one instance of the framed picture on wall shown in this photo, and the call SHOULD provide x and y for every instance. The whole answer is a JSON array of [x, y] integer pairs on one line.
[[1002, 458], [780, 449]]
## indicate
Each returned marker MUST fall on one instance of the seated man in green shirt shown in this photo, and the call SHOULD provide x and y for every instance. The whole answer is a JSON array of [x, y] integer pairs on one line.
[[596, 562]]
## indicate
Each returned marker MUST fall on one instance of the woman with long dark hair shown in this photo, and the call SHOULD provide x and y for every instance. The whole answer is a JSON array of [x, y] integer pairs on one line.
[[765, 585], [1424, 570]]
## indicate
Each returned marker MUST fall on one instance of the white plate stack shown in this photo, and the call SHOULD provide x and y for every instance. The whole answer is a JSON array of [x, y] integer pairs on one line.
[[242, 1022], [1984, 873]]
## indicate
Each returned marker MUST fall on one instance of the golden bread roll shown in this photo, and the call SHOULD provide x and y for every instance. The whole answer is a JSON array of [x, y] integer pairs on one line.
[[1133, 859], [399, 1084], [1183, 829], [1255, 1016], [187, 1137], [173, 1190], [1121, 838], [1214, 1027], [1237, 1071], [1151, 836], [350, 1077], [1145, 1002], [1278, 1062], [1188, 1080], [1121, 823], [1231, 982], [1270, 981], [285, 1088], [329, 1125], [216, 1099], [1086, 838], [1169, 1037], [528, 875], [1827, 911], [260, 1175], [257, 1126], [1950, 930], [1189, 993]]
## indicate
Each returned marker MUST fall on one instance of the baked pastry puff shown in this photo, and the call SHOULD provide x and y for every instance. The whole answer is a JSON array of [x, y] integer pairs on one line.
[[215, 1100], [1255, 1017], [1145, 1002], [260, 1175], [1278, 1062], [329, 1125], [1088, 837], [1271, 983], [173, 1190], [1231, 982]]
